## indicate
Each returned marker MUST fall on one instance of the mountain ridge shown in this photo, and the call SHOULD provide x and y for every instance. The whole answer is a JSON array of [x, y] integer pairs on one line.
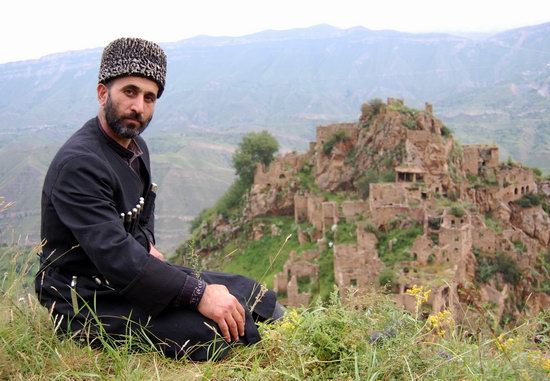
[[291, 85]]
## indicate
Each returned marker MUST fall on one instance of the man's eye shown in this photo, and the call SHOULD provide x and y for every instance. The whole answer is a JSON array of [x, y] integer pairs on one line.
[[150, 99], [129, 92]]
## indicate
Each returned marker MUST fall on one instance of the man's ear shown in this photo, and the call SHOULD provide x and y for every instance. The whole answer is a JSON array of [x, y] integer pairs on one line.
[[102, 94]]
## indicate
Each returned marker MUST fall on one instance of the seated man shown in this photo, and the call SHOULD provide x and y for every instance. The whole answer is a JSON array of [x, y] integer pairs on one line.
[[100, 272]]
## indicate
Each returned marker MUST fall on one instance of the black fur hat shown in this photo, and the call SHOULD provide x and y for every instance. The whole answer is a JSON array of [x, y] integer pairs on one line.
[[133, 56]]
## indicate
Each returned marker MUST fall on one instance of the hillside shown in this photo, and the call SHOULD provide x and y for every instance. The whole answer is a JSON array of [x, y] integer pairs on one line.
[[391, 202], [492, 90]]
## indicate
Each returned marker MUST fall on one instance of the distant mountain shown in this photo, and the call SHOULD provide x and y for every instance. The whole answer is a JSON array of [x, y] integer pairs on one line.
[[487, 90]]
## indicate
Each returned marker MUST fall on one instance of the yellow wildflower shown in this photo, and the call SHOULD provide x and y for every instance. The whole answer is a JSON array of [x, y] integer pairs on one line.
[[538, 358], [504, 345], [290, 321], [440, 321], [420, 295]]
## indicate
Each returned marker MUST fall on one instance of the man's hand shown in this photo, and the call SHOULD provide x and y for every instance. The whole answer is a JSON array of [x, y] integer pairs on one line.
[[222, 307], [155, 253]]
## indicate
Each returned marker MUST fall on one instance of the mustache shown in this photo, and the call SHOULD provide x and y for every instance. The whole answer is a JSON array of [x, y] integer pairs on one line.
[[135, 116]]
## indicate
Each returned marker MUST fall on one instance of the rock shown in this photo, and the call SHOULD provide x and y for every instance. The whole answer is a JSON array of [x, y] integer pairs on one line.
[[533, 221]]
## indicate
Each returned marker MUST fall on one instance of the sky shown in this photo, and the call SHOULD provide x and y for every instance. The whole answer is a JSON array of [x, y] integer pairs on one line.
[[31, 29]]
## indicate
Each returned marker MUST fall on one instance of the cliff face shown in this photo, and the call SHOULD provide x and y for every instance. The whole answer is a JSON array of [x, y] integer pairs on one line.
[[397, 202]]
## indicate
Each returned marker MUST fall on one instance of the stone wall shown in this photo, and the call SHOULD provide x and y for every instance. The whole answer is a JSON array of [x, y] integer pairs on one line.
[[358, 264], [353, 209], [479, 156], [324, 133], [389, 194], [280, 171], [297, 266], [516, 182], [383, 215]]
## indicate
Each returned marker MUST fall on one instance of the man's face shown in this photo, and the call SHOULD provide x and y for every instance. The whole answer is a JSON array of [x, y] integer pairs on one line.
[[129, 105]]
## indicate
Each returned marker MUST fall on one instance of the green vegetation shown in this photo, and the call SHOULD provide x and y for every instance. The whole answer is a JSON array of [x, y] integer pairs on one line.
[[361, 338], [337, 137], [394, 244], [519, 246], [457, 211], [454, 161], [434, 223], [538, 173], [541, 272], [446, 132], [530, 200], [489, 265], [410, 123], [372, 176], [326, 274], [253, 149], [493, 224], [263, 258], [387, 278], [307, 181], [345, 233], [370, 110], [402, 109]]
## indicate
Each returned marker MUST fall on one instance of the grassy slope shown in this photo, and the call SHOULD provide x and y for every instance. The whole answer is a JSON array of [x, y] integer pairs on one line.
[[331, 341]]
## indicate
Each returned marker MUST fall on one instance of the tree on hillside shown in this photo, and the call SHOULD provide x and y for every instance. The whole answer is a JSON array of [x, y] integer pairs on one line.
[[256, 147]]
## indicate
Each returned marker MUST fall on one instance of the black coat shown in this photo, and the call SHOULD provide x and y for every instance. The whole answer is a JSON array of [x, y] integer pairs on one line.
[[87, 187]]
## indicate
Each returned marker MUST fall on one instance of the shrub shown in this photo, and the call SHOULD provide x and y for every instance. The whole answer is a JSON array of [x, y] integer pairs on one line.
[[434, 223], [337, 137], [488, 266], [446, 132], [253, 149], [530, 200], [387, 278], [345, 233], [402, 239], [410, 123], [457, 211], [363, 182], [371, 109], [508, 267]]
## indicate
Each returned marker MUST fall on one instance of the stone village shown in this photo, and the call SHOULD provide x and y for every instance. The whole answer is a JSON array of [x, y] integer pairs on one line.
[[462, 198]]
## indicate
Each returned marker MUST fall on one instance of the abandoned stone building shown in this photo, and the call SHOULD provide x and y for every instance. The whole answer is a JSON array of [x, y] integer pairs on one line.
[[453, 229]]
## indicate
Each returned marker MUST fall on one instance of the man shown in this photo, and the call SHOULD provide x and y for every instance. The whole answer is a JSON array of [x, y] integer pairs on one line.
[[100, 273]]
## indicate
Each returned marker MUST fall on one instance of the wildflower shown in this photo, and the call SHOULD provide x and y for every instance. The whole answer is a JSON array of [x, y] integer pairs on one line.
[[537, 358], [440, 321], [420, 295], [290, 321], [504, 345]]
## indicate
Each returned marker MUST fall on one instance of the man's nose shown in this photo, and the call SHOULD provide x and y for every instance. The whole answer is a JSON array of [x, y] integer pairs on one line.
[[138, 105]]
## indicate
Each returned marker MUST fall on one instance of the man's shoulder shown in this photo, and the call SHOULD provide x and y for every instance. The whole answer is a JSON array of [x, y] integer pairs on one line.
[[84, 145], [85, 140]]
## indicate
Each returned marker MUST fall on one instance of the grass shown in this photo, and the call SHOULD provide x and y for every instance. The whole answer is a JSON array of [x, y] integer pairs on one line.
[[360, 338], [264, 258], [393, 245]]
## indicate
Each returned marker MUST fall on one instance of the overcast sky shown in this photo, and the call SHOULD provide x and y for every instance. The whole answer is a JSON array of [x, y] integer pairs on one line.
[[34, 28]]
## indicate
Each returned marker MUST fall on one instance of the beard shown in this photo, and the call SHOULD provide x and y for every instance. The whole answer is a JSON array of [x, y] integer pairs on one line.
[[127, 126]]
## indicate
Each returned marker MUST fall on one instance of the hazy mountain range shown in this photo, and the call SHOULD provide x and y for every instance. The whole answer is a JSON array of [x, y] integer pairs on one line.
[[493, 90]]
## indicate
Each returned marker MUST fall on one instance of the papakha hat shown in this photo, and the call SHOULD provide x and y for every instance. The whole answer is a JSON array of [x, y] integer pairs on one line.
[[133, 56]]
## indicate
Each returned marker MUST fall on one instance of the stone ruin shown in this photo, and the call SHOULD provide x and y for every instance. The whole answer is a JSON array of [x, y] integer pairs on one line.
[[299, 269], [432, 169]]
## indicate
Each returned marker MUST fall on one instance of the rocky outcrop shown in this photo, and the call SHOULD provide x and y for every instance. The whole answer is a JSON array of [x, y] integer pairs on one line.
[[270, 201], [399, 170], [533, 221]]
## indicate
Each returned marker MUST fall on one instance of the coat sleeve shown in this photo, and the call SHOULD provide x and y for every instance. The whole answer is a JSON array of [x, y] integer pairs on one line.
[[83, 199]]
